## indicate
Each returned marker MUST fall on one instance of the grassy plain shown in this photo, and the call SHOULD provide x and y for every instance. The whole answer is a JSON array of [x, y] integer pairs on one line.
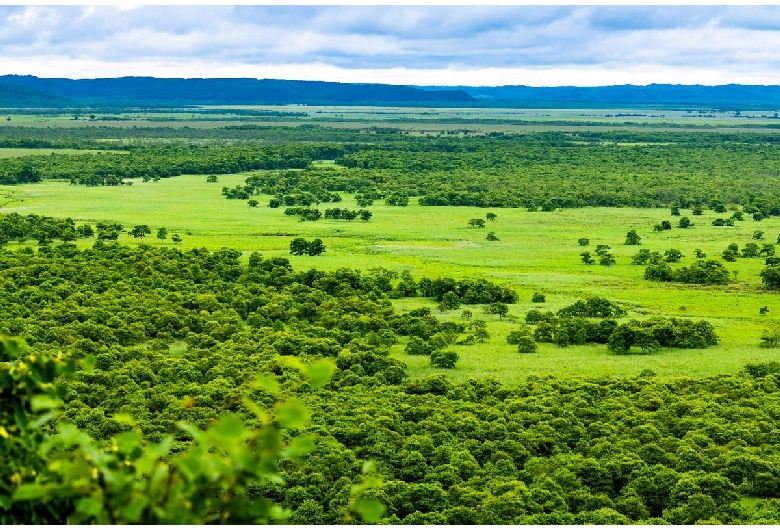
[[537, 251], [417, 120]]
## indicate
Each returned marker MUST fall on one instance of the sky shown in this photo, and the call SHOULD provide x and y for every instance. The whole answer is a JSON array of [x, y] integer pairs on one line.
[[399, 44]]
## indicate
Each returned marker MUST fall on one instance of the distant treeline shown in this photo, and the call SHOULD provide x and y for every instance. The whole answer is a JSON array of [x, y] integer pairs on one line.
[[159, 162], [534, 171]]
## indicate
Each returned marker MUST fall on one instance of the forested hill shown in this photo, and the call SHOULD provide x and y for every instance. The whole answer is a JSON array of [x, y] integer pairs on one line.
[[31, 91], [149, 90], [12, 95], [722, 96]]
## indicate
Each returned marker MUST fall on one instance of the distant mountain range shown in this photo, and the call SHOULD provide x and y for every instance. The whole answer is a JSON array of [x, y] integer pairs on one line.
[[31, 91], [156, 91], [656, 95]]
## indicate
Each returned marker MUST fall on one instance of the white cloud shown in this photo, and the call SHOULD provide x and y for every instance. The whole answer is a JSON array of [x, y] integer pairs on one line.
[[580, 45]]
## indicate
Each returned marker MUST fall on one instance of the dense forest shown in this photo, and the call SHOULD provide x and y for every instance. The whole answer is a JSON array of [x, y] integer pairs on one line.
[[171, 341], [534, 171]]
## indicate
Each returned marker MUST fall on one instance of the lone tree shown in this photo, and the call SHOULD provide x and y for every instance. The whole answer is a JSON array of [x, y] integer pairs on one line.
[[526, 344], [672, 255], [476, 223], [176, 238], [449, 301], [632, 238], [770, 277], [162, 234], [298, 246], [587, 259], [140, 231], [491, 236], [684, 222], [497, 308], [211, 178], [584, 241], [315, 248], [444, 359], [491, 216]]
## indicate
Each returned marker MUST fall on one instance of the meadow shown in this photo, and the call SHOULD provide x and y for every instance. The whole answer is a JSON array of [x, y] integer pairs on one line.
[[536, 251]]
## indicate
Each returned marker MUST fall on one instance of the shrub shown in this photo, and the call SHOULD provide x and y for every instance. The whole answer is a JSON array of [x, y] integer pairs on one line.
[[417, 346], [526, 344], [538, 298], [444, 359]]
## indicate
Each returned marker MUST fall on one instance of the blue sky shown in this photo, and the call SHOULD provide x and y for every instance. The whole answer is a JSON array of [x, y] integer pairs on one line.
[[433, 45]]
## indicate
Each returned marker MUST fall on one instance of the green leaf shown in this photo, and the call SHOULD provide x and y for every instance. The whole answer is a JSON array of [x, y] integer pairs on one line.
[[10, 347], [40, 403], [125, 418], [291, 362], [229, 427], [27, 492], [368, 467], [43, 419], [161, 449], [255, 409], [88, 363], [299, 446], [127, 441], [89, 506], [267, 382], [133, 510], [69, 434], [191, 464], [5, 502], [320, 372], [197, 435], [370, 510], [292, 414]]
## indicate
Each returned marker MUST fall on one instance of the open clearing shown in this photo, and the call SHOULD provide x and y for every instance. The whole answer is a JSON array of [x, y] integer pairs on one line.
[[537, 251]]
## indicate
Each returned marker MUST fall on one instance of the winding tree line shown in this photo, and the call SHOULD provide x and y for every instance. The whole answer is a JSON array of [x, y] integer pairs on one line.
[[159, 162], [534, 171]]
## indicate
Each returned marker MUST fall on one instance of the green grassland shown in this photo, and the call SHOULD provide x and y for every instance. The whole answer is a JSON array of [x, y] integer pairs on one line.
[[537, 251], [417, 120]]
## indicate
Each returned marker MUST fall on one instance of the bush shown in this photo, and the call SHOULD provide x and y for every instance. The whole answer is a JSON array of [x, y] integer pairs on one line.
[[770, 339], [517, 335], [584, 241], [417, 346], [526, 344], [632, 238], [444, 359], [538, 298]]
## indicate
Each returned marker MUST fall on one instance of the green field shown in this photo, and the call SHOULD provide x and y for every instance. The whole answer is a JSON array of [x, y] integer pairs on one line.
[[537, 251], [418, 120]]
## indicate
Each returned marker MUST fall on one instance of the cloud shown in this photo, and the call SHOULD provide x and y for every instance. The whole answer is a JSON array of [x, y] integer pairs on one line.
[[398, 44]]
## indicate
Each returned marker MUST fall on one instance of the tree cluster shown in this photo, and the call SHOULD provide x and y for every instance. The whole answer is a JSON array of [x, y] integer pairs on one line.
[[299, 246]]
